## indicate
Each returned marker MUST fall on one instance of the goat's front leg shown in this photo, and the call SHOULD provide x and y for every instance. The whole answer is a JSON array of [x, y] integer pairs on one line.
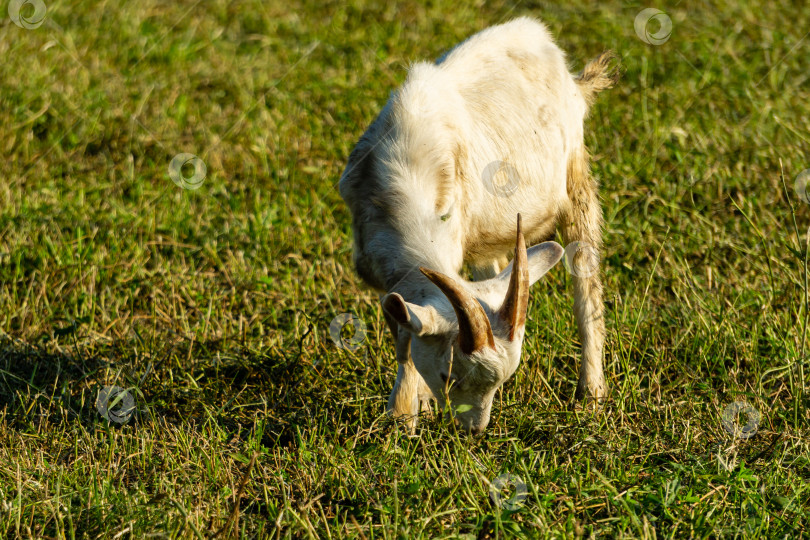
[[583, 223], [403, 403], [409, 389]]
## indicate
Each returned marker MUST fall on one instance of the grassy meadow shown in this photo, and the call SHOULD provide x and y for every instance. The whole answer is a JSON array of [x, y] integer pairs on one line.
[[166, 363]]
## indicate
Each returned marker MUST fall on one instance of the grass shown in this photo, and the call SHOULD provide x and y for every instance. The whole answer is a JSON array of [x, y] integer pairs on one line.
[[212, 306]]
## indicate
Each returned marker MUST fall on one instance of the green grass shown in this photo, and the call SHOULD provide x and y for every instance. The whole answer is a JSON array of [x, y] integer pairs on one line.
[[213, 306]]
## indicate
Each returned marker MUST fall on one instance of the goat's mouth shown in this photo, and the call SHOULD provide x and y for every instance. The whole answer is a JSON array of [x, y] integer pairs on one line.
[[465, 424], [473, 430]]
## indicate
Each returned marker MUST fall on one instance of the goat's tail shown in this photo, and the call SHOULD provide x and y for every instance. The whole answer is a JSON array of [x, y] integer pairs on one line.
[[599, 74]]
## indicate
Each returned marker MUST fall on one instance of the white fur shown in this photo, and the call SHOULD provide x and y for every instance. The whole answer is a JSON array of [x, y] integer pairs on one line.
[[416, 186]]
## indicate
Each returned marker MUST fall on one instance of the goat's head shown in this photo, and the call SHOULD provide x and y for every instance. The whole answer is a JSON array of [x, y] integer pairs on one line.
[[466, 341]]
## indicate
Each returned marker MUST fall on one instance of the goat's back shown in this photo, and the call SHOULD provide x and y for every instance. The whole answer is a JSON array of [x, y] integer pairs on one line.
[[463, 146]]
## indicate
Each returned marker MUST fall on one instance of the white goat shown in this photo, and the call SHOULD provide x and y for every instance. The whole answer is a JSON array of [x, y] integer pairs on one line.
[[419, 184]]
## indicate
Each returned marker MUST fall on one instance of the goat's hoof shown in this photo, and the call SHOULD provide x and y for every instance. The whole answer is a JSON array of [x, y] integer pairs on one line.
[[426, 407], [590, 396], [408, 423]]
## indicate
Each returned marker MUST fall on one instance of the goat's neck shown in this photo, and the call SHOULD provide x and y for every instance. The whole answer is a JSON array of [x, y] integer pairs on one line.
[[431, 248]]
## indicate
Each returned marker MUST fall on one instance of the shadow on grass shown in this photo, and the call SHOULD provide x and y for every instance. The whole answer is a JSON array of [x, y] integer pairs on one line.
[[37, 386], [187, 384]]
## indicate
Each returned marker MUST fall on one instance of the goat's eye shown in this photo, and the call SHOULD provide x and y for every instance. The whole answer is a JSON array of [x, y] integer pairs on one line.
[[444, 377]]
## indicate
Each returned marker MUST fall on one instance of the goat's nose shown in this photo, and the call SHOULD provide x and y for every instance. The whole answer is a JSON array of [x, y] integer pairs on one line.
[[476, 431]]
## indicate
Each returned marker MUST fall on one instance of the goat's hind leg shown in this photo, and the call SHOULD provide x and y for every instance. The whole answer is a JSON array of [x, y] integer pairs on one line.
[[481, 272], [582, 222]]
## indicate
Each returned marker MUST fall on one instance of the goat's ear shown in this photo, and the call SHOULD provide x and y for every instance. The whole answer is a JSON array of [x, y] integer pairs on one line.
[[541, 258], [416, 319]]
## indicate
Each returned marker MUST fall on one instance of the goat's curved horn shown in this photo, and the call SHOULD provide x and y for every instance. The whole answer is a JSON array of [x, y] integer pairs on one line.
[[474, 331], [514, 307]]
